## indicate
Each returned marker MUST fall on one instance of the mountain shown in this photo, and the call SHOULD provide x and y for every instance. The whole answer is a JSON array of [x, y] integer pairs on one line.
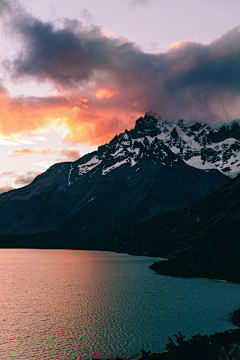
[[201, 145], [131, 179], [202, 240]]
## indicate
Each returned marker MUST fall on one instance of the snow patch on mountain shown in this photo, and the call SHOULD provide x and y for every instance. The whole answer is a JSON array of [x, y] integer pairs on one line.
[[69, 175], [91, 164], [198, 145], [114, 166]]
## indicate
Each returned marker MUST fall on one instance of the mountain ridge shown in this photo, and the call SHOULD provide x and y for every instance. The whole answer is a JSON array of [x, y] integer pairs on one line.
[[132, 178]]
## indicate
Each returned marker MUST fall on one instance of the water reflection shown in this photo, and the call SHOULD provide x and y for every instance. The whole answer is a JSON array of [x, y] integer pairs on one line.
[[82, 304]]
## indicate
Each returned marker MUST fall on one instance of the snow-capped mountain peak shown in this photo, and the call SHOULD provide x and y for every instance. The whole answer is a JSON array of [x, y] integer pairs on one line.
[[199, 145], [134, 177]]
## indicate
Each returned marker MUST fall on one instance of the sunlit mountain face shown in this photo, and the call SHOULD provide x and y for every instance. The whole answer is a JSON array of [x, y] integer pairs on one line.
[[139, 174]]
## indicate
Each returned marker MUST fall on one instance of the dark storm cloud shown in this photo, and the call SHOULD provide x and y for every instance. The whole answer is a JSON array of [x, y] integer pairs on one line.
[[206, 79], [68, 56], [216, 65], [75, 54], [190, 81]]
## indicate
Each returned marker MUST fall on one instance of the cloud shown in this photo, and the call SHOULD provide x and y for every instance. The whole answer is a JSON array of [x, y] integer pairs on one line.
[[23, 114], [48, 151], [103, 84], [27, 178], [3, 90], [140, 2], [51, 51], [5, 8], [71, 154], [8, 174], [20, 180], [87, 16], [5, 188], [20, 152], [8, 142]]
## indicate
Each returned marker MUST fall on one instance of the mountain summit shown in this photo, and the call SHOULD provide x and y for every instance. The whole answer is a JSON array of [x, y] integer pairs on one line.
[[199, 145], [131, 179]]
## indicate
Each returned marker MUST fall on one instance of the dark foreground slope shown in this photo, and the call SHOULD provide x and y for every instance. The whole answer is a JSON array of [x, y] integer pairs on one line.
[[127, 181], [202, 241]]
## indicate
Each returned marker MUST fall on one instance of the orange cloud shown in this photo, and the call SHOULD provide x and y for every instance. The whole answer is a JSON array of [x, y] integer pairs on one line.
[[106, 33], [78, 118], [40, 151], [20, 152], [72, 154], [98, 124], [190, 81], [179, 45], [23, 114], [43, 152], [105, 93]]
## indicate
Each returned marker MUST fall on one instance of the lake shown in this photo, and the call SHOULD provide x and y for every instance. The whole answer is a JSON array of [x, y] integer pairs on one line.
[[70, 304]]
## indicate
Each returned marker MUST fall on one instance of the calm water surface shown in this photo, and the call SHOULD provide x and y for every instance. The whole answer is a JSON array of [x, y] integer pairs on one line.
[[61, 305]]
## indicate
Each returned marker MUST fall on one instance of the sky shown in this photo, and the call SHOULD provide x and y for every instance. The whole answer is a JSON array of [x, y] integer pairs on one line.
[[74, 73]]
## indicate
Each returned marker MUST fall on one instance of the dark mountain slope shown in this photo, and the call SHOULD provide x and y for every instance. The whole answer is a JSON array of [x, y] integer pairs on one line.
[[202, 241]]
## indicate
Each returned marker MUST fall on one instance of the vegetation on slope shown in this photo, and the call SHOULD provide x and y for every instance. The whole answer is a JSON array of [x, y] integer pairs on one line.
[[220, 346], [200, 241]]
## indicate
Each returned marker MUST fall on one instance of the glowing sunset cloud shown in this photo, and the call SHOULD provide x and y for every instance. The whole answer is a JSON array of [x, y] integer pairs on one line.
[[105, 93], [20, 152], [71, 154], [179, 44], [100, 84], [86, 67], [43, 152]]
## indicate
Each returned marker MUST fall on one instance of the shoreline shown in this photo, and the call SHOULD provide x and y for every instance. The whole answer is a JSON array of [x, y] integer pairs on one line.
[[161, 259], [219, 280]]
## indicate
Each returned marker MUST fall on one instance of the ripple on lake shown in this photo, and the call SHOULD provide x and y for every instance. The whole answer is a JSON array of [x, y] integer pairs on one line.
[[81, 304]]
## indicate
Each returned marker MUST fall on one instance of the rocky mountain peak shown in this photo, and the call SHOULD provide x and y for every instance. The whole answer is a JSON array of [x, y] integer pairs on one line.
[[147, 125], [197, 144]]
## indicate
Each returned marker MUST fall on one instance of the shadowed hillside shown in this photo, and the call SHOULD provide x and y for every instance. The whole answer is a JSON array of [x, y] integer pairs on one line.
[[202, 241]]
